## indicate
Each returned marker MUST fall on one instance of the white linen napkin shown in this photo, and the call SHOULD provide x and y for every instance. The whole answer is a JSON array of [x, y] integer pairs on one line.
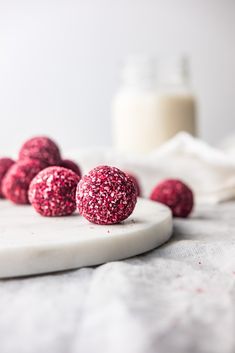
[[209, 171]]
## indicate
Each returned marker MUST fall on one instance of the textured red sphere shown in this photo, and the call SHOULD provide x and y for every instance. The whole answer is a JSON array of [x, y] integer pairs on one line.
[[174, 194], [106, 195], [16, 182], [135, 181], [5, 164], [67, 163], [53, 192], [41, 148]]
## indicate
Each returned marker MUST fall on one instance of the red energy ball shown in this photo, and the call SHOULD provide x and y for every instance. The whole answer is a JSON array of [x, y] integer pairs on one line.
[[135, 181], [5, 164], [16, 182], [53, 192], [176, 195], [41, 148], [106, 195], [67, 163]]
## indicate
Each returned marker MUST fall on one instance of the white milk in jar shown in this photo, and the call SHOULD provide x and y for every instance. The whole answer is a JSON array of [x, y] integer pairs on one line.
[[152, 105]]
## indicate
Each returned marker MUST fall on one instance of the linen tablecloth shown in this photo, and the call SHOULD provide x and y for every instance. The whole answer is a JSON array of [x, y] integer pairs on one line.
[[178, 298]]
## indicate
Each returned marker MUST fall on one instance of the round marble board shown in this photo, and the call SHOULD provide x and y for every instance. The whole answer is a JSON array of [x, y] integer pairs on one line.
[[32, 244]]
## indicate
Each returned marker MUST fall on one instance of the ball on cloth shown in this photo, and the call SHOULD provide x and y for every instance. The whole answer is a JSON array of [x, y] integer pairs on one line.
[[176, 195], [41, 148], [5, 164], [16, 182], [106, 195], [69, 164], [53, 192]]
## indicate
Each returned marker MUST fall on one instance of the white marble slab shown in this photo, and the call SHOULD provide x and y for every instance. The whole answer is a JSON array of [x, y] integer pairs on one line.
[[31, 244]]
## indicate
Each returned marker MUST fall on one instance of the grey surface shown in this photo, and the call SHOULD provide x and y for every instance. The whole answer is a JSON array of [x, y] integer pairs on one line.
[[178, 298]]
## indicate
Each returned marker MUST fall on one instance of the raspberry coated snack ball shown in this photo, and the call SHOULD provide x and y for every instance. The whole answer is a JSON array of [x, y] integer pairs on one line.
[[53, 192], [41, 148], [16, 182], [176, 195], [135, 181], [106, 195], [5, 164], [67, 163]]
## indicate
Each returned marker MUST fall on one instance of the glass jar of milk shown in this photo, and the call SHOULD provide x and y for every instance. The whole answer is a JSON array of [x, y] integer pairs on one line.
[[153, 104]]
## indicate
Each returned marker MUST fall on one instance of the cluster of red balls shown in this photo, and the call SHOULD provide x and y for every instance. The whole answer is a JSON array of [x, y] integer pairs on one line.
[[54, 186], [35, 155]]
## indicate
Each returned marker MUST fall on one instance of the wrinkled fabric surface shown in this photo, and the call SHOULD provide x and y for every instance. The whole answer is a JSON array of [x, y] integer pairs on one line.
[[178, 298], [209, 171]]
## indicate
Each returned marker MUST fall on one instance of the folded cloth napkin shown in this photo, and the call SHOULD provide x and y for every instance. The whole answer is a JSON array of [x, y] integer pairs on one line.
[[210, 172]]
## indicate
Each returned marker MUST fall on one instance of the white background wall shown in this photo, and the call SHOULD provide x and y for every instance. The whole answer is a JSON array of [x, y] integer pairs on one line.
[[59, 62]]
